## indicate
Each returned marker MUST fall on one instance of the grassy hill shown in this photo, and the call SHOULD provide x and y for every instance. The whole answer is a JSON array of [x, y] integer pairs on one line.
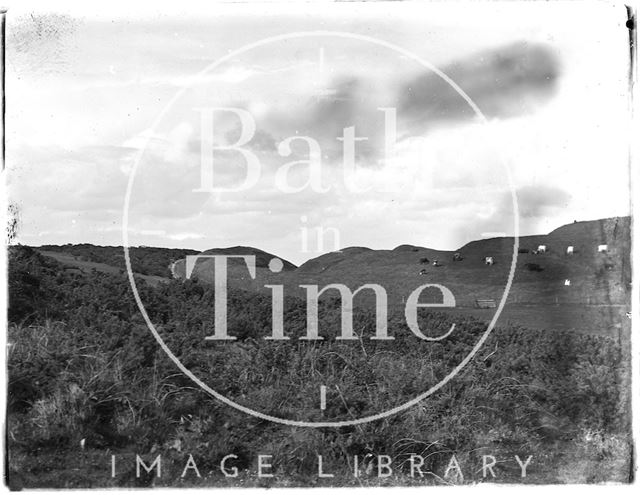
[[76, 264], [236, 267], [595, 301], [597, 297], [145, 260]]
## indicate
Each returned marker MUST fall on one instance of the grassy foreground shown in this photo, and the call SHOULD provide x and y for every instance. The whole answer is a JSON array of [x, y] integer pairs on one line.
[[87, 382]]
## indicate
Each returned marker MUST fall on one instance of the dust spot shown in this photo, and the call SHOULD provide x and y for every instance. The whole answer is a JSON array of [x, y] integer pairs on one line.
[[41, 43], [13, 222]]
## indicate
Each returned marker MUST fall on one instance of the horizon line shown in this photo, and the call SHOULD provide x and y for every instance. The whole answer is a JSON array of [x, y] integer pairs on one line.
[[482, 238]]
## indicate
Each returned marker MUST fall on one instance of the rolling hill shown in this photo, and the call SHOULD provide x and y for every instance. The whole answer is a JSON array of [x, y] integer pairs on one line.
[[145, 260], [236, 267], [596, 298], [597, 294]]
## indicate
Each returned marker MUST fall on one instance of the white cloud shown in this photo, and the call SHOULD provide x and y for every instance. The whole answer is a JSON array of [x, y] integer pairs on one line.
[[73, 135], [183, 236]]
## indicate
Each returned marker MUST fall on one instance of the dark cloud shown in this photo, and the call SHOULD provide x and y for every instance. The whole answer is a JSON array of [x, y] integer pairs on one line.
[[347, 102], [503, 82], [538, 201]]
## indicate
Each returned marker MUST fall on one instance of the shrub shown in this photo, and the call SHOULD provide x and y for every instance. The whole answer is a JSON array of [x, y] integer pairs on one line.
[[59, 418], [533, 267]]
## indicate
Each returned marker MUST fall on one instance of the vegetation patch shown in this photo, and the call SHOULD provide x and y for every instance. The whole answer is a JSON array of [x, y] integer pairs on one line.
[[87, 381]]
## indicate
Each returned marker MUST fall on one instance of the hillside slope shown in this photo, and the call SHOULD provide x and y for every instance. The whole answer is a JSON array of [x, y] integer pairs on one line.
[[587, 278], [594, 278], [145, 260], [586, 290], [236, 269], [79, 264]]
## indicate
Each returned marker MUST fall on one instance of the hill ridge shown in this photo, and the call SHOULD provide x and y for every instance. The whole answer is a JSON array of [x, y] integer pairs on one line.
[[568, 288]]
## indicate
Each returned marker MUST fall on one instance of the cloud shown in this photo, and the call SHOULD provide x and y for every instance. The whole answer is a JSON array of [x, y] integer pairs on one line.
[[506, 81], [328, 108], [183, 236], [536, 205], [447, 182], [539, 201], [86, 179], [231, 75]]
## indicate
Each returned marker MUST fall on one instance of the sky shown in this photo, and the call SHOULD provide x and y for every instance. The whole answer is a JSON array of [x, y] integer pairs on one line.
[[96, 97]]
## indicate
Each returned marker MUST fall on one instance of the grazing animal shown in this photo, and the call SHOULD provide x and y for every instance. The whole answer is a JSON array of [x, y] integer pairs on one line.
[[488, 260]]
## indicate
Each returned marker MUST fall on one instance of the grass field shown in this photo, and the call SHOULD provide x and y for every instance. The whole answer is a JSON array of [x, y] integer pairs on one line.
[[596, 301]]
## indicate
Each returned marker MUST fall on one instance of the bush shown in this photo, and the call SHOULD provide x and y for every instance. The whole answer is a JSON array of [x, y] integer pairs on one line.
[[533, 267], [58, 419]]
